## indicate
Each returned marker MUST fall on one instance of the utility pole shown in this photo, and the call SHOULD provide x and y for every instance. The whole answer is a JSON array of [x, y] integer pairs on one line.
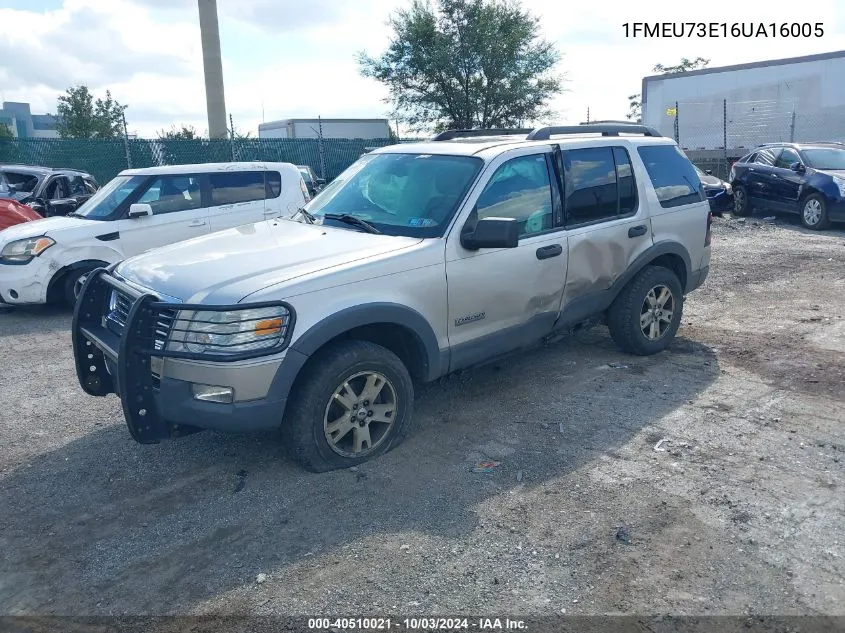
[[212, 62], [126, 142]]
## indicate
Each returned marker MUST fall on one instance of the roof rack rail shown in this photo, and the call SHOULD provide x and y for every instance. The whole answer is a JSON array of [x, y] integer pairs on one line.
[[545, 133], [81, 171], [448, 135]]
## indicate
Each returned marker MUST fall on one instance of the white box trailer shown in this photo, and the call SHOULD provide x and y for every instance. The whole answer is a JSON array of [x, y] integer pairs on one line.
[[331, 128], [795, 99]]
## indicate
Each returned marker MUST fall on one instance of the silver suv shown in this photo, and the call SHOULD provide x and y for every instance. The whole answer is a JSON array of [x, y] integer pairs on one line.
[[417, 261]]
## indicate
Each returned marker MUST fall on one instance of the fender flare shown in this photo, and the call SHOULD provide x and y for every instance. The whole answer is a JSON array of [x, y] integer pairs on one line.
[[664, 247], [369, 314]]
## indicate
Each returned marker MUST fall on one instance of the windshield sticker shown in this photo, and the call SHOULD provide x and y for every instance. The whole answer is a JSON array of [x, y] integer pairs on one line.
[[421, 222]]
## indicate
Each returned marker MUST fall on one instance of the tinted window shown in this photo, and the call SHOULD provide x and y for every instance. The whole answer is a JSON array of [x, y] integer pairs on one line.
[[520, 189], [273, 185], [767, 156], [590, 184], [236, 186], [786, 158], [625, 180], [672, 175], [168, 194]]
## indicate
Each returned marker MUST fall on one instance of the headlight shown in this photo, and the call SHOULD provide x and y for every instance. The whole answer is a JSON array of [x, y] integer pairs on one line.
[[840, 182], [23, 251], [230, 331], [728, 189]]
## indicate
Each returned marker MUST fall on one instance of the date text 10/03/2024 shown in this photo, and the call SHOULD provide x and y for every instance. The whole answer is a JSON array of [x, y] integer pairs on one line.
[[723, 29], [412, 624]]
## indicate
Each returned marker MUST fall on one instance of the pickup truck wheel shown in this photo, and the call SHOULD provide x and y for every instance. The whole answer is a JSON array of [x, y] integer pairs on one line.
[[646, 315], [354, 402]]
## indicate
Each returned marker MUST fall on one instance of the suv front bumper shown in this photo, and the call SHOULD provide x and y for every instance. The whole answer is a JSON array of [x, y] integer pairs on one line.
[[154, 385]]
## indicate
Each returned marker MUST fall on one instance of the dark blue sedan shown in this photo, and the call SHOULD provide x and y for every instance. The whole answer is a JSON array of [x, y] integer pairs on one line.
[[803, 178]]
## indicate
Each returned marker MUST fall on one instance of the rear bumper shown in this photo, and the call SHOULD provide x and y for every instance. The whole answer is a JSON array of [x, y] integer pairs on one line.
[[696, 278], [721, 201], [155, 388]]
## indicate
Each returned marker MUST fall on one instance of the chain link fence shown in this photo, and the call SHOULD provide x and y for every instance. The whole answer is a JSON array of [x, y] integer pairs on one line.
[[104, 159], [715, 133]]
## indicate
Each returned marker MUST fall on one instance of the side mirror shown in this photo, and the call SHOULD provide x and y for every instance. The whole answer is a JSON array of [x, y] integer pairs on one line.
[[709, 172], [140, 210], [320, 181], [492, 233], [797, 167]]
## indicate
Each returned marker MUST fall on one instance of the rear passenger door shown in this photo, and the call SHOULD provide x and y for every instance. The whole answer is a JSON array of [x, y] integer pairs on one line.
[[759, 182], [236, 198], [178, 214], [606, 226]]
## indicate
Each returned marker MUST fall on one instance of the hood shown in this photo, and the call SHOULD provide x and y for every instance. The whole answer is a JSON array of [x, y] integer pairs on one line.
[[226, 266], [44, 226], [710, 181], [839, 173]]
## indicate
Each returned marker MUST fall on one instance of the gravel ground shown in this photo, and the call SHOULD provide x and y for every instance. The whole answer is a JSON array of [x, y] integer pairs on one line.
[[705, 480]]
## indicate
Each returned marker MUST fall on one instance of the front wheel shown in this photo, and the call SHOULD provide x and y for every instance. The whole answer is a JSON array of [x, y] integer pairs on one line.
[[646, 315], [354, 402], [814, 213]]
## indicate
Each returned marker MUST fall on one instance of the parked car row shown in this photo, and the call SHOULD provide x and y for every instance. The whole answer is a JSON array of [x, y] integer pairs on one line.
[[139, 210], [803, 178]]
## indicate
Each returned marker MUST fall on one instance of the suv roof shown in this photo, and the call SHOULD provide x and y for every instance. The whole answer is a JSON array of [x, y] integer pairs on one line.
[[204, 168], [799, 145], [473, 142], [41, 171]]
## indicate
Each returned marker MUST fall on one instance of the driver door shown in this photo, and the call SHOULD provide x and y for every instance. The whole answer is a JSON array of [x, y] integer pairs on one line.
[[58, 198], [506, 298]]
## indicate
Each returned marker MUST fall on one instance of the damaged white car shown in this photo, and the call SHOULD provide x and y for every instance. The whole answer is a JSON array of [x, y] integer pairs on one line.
[[42, 261]]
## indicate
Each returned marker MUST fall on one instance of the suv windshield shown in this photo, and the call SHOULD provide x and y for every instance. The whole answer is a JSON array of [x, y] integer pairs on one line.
[[414, 195], [825, 158], [103, 203]]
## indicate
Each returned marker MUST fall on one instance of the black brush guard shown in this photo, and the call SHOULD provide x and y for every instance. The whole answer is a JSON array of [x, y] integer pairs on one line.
[[96, 347]]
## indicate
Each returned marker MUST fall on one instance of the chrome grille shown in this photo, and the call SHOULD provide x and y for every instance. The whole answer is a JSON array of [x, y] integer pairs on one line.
[[118, 313]]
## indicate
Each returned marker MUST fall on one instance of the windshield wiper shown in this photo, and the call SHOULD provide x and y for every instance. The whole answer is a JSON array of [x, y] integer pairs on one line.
[[308, 217], [354, 221]]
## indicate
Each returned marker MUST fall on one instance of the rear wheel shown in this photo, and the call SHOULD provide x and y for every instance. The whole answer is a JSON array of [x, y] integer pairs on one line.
[[354, 402], [646, 315], [741, 204], [814, 213]]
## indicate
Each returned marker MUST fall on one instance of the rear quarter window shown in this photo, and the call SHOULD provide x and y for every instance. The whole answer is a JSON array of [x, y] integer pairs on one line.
[[233, 187], [672, 175]]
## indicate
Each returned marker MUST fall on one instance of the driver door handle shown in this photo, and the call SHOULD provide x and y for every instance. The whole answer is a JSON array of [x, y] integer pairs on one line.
[[553, 250]]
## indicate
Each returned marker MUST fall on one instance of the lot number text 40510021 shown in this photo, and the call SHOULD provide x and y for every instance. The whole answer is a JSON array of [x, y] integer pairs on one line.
[[417, 624], [723, 29]]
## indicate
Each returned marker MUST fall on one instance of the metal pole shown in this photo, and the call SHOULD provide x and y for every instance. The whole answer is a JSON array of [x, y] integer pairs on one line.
[[792, 126], [126, 142], [677, 127], [212, 62], [725, 133], [321, 148], [232, 136]]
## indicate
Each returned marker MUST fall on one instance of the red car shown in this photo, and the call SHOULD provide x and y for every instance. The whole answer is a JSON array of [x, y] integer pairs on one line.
[[12, 213]]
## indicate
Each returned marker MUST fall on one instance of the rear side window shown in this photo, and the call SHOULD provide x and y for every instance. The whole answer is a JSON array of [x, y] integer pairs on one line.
[[767, 156], [672, 174], [273, 185], [232, 187], [590, 185]]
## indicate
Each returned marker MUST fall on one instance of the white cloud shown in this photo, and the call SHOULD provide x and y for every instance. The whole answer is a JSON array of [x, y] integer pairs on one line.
[[297, 58]]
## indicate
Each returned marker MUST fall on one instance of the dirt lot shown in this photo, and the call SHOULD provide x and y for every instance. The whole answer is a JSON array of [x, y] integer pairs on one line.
[[740, 511]]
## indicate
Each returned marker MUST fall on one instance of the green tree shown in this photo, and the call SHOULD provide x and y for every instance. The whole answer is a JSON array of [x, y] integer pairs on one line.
[[182, 133], [6, 132], [80, 116], [635, 101], [466, 64]]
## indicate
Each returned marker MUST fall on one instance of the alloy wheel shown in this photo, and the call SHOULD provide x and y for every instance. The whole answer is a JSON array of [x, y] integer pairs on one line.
[[360, 414], [657, 311], [812, 211]]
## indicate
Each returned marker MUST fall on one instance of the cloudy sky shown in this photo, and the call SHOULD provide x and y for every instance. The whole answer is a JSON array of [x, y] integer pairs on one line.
[[296, 58]]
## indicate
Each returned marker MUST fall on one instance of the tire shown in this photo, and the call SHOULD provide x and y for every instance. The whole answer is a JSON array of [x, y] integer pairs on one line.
[[742, 207], [69, 285], [316, 406], [814, 213], [629, 314]]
